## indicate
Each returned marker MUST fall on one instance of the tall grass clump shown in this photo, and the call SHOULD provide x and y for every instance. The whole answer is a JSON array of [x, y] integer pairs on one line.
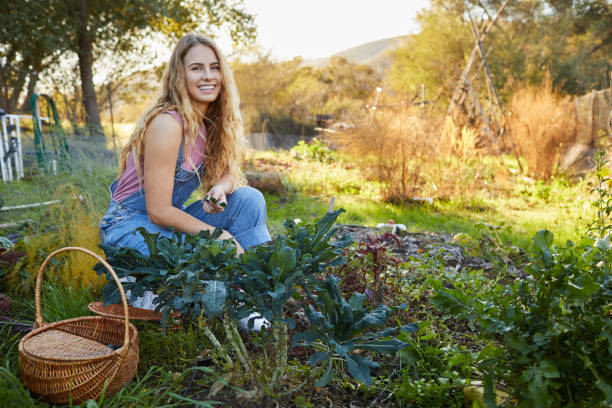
[[73, 222], [542, 126], [460, 164], [83, 195]]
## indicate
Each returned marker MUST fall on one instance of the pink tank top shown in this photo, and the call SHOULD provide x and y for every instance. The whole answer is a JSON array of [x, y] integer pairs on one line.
[[128, 182]]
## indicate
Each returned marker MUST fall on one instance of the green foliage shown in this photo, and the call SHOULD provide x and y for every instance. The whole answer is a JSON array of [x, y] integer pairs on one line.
[[197, 274], [340, 328], [60, 302], [177, 269], [315, 150], [12, 391], [282, 97], [603, 199], [433, 373], [157, 387], [434, 56], [555, 324]]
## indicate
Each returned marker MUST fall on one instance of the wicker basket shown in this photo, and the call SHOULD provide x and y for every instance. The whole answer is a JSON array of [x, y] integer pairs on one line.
[[70, 360]]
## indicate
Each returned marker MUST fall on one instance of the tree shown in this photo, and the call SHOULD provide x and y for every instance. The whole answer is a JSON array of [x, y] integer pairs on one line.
[[89, 26], [434, 56], [570, 39], [25, 48]]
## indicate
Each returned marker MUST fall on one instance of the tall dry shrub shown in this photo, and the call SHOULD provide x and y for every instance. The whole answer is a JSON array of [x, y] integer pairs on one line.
[[392, 149], [542, 126]]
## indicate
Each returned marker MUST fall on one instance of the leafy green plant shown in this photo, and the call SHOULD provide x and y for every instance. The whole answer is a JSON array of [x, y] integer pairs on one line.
[[434, 372], [201, 276], [555, 325], [189, 273], [341, 328], [59, 302], [315, 150], [157, 387], [603, 199]]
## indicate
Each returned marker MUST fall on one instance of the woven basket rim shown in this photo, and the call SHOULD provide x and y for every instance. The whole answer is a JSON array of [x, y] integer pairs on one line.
[[56, 325], [135, 313]]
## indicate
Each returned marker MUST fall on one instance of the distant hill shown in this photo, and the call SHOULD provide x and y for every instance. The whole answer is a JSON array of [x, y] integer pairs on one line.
[[376, 54]]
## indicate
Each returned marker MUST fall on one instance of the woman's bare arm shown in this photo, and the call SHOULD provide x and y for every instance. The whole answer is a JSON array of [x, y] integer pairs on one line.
[[162, 144]]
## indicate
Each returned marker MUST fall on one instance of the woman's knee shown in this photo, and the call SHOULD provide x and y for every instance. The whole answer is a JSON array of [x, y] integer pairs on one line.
[[249, 200]]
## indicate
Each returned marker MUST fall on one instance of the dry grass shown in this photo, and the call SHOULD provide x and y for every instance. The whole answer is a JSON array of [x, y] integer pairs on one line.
[[542, 126], [393, 150], [411, 155], [459, 167]]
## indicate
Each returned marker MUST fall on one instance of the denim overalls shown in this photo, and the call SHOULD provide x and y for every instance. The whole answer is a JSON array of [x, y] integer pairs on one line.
[[244, 217]]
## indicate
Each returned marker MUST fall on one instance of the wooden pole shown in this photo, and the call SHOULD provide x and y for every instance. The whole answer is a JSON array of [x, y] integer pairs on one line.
[[462, 87], [484, 58]]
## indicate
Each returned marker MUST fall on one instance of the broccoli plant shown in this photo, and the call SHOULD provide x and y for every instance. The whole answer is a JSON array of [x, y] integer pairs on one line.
[[341, 328]]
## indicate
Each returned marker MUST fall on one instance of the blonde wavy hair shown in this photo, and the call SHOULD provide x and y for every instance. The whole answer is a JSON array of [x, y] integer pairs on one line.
[[225, 145]]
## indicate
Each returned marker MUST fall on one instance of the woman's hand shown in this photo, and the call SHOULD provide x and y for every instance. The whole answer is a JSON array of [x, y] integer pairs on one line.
[[215, 200], [226, 235]]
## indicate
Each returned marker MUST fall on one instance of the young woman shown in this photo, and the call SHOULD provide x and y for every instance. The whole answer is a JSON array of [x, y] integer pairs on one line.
[[190, 137]]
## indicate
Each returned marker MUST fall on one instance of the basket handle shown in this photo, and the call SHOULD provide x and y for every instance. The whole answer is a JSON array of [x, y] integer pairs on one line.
[[39, 322]]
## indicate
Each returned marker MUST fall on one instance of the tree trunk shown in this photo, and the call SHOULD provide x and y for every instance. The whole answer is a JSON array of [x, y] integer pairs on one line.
[[4, 70], [25, 106], [17, 88], [85, 52]]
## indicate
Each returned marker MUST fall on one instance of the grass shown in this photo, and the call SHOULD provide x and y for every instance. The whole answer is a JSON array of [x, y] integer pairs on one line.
[[519, 204], [522, 205]]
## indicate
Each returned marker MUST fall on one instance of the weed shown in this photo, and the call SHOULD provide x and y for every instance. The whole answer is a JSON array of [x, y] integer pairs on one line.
[[314, 150], [434, 375], [369, 266], [61, 302]]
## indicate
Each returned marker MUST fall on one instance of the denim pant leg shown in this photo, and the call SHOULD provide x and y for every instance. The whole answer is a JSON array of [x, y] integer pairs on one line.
[[124, 234], [244, 217]]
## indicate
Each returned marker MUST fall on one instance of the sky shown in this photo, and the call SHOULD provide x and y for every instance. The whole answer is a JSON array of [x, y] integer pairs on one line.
[[308, 28], [320, 28]]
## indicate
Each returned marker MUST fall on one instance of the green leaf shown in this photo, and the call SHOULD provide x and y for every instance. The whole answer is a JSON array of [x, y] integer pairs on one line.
[[583, 286], [383, 346], [356, 300], [315, 358], [543, 239], [359, 368], [489, 390], [284, 259], [376, 317], [606, 388], [548, 369], [213, 298], [326, 377]]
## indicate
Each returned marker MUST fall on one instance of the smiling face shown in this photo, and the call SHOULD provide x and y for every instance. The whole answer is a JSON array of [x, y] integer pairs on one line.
[[203, 74]]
